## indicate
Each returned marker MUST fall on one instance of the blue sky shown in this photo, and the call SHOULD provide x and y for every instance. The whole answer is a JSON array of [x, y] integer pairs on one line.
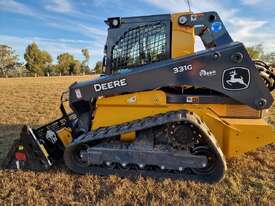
[[68, 25]]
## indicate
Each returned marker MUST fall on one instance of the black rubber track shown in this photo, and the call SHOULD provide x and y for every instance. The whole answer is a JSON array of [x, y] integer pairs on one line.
[[102, 134]]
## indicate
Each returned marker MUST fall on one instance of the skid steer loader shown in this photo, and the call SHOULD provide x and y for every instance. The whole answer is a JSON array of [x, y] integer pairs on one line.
[[160, 109]]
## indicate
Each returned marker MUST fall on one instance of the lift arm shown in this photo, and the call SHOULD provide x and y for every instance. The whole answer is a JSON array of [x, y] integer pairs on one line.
[[227, 69]]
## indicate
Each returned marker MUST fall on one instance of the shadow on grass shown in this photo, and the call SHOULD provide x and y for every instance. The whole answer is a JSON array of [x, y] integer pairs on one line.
[[8, 134]]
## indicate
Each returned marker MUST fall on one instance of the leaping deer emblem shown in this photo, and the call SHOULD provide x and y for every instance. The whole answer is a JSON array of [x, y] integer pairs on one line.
[[233, 79]]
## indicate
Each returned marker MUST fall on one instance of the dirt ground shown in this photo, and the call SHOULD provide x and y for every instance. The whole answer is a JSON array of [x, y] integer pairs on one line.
[[35, 101]]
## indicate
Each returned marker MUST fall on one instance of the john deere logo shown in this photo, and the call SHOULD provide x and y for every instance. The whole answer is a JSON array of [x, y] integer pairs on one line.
[[236, 78]]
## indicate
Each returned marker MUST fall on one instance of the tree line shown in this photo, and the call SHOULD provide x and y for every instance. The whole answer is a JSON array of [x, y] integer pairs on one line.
[[40, 63], [257, 52]]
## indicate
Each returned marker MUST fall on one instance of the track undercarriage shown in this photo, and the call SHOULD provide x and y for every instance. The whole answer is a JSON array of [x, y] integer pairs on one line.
[[175, 144]]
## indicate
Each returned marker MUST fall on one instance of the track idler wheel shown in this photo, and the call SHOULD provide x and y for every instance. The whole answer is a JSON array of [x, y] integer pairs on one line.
[[74, 158], [214, 170]]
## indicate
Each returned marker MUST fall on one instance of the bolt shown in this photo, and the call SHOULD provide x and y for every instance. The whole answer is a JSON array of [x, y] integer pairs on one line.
[[212, 18], [115, 22], [262, 102], [82, 154], [216, 55], [141, 166], [237, 57], [182, 20]]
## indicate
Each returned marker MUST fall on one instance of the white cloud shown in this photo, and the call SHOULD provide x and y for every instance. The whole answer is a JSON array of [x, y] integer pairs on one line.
[[15, 7], [251, 2], [250, 31], [91, 31], [54, 46], [181, 5], [62, 6], [85, 30], [95, 35], [246, 28]]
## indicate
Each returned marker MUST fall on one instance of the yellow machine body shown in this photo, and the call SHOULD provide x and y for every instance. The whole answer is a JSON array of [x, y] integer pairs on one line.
[[183, 38], [237, 128], [65, 135]]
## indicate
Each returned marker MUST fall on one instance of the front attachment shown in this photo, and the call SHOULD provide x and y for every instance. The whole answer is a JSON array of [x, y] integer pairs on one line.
[[27, 153], [39, 149]]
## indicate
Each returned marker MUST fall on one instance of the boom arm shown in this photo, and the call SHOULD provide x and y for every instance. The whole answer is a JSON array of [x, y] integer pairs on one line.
[[220, 62]]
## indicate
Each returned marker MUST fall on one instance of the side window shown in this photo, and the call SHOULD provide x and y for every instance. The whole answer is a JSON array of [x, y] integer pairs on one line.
[[139, 46]]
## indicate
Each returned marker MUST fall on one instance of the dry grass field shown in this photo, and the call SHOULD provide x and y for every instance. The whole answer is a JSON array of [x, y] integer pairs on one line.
[[250, 179]]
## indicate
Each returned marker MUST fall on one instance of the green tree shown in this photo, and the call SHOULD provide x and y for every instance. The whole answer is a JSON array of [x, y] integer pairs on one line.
[[87, 56], [269, 58], [8, 60], [98, 67], [21, 70], [37, 61], [64, 63], [67, 64], [256, 52], [47, 63], [85, 63], [75, 67]]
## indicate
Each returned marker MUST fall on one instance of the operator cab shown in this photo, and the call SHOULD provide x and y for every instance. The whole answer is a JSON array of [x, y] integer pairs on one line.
[[137, 41]]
